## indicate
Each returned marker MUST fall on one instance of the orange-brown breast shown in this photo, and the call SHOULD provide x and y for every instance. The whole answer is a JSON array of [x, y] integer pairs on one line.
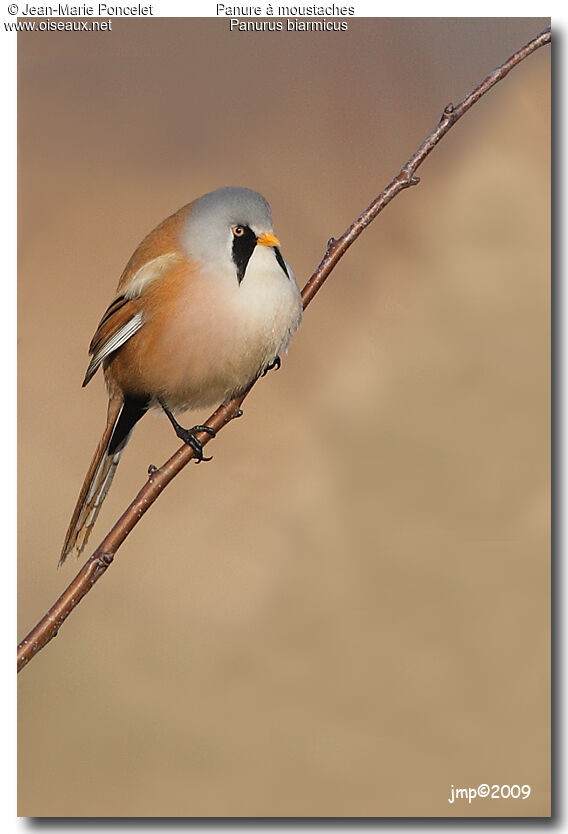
[[146, 364], [194, 348]]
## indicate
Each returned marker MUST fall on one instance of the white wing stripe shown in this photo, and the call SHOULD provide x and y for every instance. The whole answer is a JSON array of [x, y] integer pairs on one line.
[[116, 340], [148, 273]]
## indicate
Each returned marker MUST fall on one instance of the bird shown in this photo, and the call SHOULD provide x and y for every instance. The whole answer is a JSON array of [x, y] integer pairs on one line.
[[205, 305]]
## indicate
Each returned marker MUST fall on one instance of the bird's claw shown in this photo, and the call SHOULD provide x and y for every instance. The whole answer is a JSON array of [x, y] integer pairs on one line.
[[188, 436], [274, 365]]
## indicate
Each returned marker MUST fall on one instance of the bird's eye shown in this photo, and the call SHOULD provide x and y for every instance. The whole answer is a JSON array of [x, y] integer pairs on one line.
[[238, 231]]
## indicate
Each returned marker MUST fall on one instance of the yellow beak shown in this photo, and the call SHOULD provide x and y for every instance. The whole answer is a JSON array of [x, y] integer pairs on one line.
[[268, 239]]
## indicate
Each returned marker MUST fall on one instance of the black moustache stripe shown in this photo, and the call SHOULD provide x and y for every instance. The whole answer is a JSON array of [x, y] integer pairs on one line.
[[281, 261], [243, 247]]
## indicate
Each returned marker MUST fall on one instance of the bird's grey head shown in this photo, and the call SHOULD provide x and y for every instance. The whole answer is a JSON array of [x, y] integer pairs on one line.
[[224, 227]]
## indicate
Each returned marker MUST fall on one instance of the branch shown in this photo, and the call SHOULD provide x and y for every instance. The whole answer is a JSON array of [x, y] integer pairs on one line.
[[158, 479]]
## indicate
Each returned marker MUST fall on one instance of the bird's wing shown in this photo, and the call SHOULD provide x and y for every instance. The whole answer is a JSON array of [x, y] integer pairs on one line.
[[158, 251], [124, 317]]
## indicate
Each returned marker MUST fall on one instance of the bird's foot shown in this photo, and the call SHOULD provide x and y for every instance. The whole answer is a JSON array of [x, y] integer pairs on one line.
[[274, 365], [188, 436]]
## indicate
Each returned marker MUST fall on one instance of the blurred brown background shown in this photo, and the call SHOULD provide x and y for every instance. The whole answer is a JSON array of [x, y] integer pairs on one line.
[[347, 611]]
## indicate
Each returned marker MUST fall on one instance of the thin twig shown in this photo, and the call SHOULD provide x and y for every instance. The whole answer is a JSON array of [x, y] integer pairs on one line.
[[158, 479]]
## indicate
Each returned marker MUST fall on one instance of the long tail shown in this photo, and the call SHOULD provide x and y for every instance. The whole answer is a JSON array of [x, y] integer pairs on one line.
[[123, 414]]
